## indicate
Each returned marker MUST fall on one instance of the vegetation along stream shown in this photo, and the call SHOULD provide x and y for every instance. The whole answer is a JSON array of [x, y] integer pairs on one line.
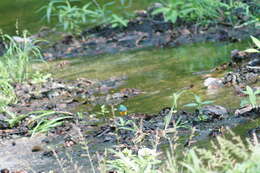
[[127, 86]]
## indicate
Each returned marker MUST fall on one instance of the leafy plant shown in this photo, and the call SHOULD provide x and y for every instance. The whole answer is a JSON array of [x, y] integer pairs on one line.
[[238, 13], [71, 17], [174, 108], [189, 10], [123, 124], [103, 111], [126, 161], [68, 15], [252, 97], [257, 44], [199, 103]]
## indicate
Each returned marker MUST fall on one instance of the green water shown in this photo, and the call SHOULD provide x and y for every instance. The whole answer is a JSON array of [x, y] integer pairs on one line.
[[159, 73]]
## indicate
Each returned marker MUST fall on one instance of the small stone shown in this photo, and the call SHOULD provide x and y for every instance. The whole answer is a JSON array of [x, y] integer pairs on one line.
[[4, 171], [37, 148], [213, 83], [214, 111]]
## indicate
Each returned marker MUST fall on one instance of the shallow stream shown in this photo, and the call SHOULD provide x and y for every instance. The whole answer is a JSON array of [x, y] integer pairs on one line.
[[157, 72]]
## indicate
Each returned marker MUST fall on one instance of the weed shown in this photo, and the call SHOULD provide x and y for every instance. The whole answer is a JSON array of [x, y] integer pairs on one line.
[[71, 17], [68, 15], [104, 112], [190, 10], [128, 162], [14, 119], [175, 98], [123, 124], [15, 64], [199, 103], [238, 13], [39, 77], [257, 44], [231, 156], [43, 124], [252, 97], [7, 94]]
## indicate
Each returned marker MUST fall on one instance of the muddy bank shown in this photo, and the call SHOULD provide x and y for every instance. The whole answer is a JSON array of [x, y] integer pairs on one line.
[[122, 132], [144, 31]]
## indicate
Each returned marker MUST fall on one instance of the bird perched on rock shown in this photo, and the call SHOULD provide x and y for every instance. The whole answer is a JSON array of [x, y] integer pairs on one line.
[[122, 110]]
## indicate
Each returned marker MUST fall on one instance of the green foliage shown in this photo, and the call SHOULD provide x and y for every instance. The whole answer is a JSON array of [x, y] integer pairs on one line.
[[175, 98], [123, 124], [238, 13], [15, 64], [71, 16], [14, 119], [257, 44], [252, 97], [44, 124], [189, 10], [198, 103], [104, 112], [225, 155], [233, 12], [7, 94], [128, 162], [39, 77]]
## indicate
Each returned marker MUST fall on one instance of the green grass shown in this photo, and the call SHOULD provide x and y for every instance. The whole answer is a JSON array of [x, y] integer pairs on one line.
[[15, 64]]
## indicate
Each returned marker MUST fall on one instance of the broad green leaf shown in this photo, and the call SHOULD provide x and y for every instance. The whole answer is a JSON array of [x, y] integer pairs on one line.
[[191, 105], [207, 102], [251, 50], [256, 41]]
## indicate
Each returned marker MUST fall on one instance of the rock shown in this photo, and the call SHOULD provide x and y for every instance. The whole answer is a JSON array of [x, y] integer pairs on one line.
[[4, 171], [213, 83], [3, 125], [22, 39], [254, 134], [214, 112], [254, 63], [243, 110], [152, 8]]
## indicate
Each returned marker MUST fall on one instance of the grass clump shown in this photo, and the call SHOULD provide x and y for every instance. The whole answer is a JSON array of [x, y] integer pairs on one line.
[[15, 64], [252, 97]]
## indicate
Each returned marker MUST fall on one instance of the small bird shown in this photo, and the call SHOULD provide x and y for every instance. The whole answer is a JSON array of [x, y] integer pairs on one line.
[[122, 110]]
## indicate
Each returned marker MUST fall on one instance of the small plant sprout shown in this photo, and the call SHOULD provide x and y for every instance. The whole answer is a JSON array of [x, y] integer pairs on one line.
[[103, 111], [199, 103], [174, 108], [257, 44], [123, 124], [252, 97]]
